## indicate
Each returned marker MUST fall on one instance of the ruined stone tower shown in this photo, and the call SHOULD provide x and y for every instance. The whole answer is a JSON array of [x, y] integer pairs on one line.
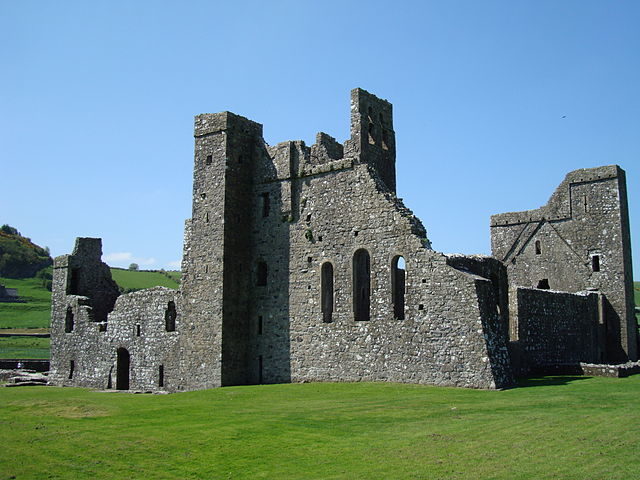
[[301, 264], [578, 241]]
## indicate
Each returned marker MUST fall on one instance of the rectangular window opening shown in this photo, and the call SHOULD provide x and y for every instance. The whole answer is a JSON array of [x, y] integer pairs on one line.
[[595, 263], [266, 204]]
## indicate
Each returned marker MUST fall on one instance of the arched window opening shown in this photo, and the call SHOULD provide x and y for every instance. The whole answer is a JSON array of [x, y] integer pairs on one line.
[[398, 282], [69, 321], [170, 315], [371, 132], [544, 284], [538, 249], [262, 274], [122, 369], [326, 291], [385, 140], [361, 285]]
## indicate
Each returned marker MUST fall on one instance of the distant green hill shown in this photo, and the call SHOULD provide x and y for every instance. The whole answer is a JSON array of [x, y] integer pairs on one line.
[[131, 280], [19, 256]]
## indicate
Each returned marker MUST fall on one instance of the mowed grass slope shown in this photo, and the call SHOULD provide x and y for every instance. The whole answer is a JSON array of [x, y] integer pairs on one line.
[[569, 428]]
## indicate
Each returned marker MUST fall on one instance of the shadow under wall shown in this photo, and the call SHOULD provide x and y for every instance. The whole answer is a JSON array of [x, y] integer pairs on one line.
[[495, 323], [613, 334]]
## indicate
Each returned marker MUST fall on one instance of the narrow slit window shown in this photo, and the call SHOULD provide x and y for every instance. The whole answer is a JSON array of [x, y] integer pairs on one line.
[[137, 330], [538, 249], [266, 204], [69, 321], [170, 315], [361, 285], [209, 160], [260, 325], [161, 376], [595, 263], [72, 367], [326, 292], [398, 286], [74, 282], [262, 274]]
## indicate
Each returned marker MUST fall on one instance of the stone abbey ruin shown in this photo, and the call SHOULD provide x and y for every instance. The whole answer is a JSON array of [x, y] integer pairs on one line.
[[301, 264]]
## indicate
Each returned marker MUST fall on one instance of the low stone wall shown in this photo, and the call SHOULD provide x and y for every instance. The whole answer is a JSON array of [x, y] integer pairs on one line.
[[551, 328]]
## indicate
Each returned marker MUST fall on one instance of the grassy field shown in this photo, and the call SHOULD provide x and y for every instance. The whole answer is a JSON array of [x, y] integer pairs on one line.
[[35, 313], [130, 279], [24, 347], [551, 428]]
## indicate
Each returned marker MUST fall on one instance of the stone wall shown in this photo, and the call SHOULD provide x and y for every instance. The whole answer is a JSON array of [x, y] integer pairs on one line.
[[325, 209], [555, 328], [140, 328], [579, 240]]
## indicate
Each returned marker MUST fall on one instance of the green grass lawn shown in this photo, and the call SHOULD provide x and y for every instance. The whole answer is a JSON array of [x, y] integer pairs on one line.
[[24, 347], [552, 428]]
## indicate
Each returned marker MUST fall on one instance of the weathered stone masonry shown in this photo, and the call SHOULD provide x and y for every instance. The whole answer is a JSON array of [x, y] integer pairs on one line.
[[579, 241], [301, 264]]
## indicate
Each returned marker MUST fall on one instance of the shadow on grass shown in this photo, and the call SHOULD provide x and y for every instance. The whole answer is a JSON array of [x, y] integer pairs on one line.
[[548, 381]]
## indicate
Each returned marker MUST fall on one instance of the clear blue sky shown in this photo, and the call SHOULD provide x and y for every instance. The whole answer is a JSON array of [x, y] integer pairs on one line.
[[494, 102]]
